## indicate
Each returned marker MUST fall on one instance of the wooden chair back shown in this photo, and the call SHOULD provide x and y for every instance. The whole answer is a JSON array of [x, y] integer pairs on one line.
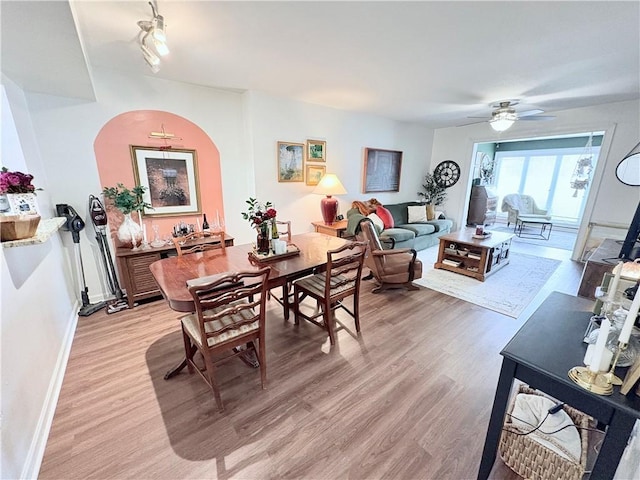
[[230, 313], [198, 242], [284, 229]]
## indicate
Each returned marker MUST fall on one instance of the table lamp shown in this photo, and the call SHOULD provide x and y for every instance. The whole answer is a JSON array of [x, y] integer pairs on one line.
[[329, 185]]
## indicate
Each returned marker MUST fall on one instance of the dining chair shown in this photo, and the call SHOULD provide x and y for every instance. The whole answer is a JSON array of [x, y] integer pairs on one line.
[[198, 242], [230, 312], [340, 280], [284, 230]]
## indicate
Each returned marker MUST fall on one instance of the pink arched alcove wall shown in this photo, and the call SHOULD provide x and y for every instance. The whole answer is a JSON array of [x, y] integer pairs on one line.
[[115, 165]]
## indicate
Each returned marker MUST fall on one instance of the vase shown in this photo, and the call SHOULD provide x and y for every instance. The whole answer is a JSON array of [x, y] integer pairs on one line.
[[431, 211], [5, 206], [129, 232], [263, 242]]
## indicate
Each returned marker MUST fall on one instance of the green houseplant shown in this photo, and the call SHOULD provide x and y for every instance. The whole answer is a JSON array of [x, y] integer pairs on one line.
[[433, 194], [128, 201]]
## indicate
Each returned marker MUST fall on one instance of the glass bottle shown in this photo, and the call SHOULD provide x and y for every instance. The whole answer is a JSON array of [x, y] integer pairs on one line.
[[274, 234], [205, 224]]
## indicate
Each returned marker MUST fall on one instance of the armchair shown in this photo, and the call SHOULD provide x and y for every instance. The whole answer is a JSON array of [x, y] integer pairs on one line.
[[391, 268], [518, 205]]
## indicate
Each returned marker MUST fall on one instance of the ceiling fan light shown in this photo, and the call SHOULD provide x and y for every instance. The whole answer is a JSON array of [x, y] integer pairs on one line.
[[502, 121]]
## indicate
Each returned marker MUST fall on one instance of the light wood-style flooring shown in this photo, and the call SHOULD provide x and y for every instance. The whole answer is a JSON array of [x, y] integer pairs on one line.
[[408, 399]]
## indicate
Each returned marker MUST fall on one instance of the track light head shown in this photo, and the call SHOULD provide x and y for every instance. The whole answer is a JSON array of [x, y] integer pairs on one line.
[[153, 39]]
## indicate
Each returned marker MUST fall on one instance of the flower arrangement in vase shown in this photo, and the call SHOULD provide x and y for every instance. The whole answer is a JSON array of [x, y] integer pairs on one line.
[[128, 201], [17, 193], [260, 216]]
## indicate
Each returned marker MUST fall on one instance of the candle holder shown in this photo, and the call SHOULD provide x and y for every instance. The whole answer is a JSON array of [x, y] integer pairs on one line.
[[594, 382], [610, 376]]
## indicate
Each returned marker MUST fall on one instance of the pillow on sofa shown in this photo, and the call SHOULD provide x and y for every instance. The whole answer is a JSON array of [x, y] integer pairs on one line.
[[377, 222], [417, 213], [386, 216]]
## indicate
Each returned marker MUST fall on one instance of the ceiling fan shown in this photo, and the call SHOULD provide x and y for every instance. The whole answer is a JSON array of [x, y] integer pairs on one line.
[[506, 115]]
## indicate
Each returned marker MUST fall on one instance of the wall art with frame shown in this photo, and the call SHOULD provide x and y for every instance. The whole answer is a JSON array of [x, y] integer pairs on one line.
[[381, 170], [170, 176], [316, 151], [314, 174], [290, 162]]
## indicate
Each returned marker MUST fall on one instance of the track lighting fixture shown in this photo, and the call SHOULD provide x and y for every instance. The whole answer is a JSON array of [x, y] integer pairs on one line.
[[153, 39]]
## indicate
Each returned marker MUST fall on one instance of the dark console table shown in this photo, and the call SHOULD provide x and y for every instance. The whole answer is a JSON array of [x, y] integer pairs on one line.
[[547, 346]]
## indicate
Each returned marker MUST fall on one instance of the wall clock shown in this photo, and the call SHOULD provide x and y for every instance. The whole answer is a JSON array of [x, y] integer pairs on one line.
[[447, 173]]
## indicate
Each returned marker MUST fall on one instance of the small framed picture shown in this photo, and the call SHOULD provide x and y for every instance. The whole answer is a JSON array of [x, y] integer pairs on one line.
[[316, 151], [290, 162], [315, 173]]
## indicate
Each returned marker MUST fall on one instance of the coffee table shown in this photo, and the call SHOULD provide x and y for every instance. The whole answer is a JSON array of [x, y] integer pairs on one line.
[[461, 253], [542, 222]]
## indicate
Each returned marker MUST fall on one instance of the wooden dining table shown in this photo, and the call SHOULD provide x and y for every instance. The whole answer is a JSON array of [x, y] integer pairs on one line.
[[171, 274]]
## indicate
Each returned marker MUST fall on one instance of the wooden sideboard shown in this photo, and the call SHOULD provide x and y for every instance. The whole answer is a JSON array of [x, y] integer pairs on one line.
[[133, 266]]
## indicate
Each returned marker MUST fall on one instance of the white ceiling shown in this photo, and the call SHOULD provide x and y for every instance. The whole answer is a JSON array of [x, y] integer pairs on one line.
[[429, 62]]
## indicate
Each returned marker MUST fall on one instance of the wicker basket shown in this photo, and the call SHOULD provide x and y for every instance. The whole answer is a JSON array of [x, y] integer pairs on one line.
[[532, 460]]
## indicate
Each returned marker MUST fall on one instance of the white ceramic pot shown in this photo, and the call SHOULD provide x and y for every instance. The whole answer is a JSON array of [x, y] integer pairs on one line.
[[129, 232]]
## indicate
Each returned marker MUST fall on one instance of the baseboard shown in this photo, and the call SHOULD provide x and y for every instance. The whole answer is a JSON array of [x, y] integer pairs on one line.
[[39, 442]]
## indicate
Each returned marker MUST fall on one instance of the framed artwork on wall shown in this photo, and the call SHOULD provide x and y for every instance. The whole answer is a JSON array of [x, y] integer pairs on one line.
[[316, 151], [381, 170], [314, 174], [170, 177], [290, 162]]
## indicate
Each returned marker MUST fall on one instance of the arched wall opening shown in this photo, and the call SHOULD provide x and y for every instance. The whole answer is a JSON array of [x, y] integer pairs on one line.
[[115, 164]]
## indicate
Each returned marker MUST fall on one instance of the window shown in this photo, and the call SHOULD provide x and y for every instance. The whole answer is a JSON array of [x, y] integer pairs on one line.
[[546, 174]]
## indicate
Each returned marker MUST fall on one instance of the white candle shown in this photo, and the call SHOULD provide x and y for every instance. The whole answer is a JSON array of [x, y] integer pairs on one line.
[[625, 333], [198, 223], [600, 347], [217, 218], [613, 286], [589, 354], [144, 233], [605, 361]]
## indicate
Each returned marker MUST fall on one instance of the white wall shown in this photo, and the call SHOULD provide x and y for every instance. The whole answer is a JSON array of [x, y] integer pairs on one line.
[[346, 134], [37, 310], [610, 201]]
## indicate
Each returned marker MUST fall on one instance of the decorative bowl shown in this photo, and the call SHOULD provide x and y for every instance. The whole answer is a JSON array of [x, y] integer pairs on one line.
[[18, 227]]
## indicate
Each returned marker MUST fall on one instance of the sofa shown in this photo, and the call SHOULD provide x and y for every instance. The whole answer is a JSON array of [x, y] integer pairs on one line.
[[404, 234]]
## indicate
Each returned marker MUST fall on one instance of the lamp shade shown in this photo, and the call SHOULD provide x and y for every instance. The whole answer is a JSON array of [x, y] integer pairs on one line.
[[329, 185]]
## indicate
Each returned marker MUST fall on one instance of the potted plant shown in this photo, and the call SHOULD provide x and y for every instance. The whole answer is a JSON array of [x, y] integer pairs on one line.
[[127, 201], [433, 194]]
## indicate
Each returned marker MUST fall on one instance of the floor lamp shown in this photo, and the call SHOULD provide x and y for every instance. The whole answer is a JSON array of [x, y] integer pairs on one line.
[[329, 185]]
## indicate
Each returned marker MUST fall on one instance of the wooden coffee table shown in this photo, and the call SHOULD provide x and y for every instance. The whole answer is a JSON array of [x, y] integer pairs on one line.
[[461, 253]]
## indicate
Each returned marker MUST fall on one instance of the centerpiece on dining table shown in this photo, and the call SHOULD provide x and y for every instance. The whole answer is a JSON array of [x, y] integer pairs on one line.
[[262, 217]]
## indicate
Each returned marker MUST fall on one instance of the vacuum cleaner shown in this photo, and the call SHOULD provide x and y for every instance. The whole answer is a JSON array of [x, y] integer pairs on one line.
[[75, 224], [99, 219]]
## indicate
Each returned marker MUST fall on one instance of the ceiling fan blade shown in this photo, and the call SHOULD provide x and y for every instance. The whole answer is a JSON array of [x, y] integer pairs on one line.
[[538, 118], [485, 117], [473, 123], [528, 113]]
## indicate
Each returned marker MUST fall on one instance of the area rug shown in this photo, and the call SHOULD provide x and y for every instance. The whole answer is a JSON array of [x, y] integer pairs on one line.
[[508, 291]]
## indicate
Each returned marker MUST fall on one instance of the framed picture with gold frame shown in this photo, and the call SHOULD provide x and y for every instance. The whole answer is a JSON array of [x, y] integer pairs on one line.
[[316, 151], [290, 162], [381, 170], [314, 174], [170, 178], [631, 378]]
